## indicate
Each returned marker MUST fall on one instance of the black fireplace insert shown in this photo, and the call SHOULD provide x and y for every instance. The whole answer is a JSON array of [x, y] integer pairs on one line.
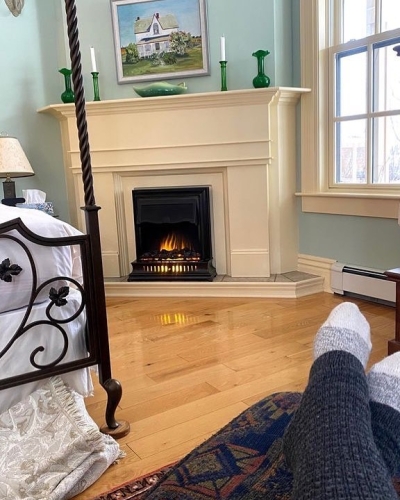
[[173, 234]]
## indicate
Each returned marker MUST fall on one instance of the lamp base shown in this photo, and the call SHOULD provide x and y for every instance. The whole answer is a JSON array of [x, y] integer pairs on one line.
[[9, 188]]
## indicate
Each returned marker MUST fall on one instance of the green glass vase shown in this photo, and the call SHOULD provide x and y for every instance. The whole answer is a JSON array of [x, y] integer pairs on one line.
[[261, 80], [68, 94]]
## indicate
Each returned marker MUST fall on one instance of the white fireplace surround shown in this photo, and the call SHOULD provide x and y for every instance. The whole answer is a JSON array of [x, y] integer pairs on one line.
[[240, 143]]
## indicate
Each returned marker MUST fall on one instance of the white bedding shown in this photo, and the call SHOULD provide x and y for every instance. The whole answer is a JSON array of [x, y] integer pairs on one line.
[[17, 359], [51, 262]]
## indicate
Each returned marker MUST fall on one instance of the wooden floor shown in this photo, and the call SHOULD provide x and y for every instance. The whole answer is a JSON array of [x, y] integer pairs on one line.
[[188, 366]]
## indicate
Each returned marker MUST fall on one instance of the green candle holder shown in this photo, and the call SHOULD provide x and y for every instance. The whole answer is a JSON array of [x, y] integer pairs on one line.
[[96, 92], [223, 75], [68, 95]]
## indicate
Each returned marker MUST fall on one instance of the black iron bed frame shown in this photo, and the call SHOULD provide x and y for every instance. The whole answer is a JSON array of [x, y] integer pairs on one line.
[[92, 292]]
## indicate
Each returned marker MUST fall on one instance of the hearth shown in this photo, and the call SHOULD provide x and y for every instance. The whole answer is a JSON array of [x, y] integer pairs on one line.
[[173, 234]]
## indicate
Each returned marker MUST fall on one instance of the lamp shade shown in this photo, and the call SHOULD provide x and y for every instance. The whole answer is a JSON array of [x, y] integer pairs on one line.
[[13, 161]]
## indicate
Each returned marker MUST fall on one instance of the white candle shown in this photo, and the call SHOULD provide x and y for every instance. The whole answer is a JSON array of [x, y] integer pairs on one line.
[[223, 55], [93, 58]]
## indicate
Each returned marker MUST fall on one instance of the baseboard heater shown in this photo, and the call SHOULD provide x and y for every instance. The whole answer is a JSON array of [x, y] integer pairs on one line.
[[369, 284]]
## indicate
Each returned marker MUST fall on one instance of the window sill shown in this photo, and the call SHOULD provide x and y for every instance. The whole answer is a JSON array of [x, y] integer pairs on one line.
[[360, 204]]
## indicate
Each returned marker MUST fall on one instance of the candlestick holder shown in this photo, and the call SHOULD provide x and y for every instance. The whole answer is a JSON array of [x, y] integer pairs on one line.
[[95, 75], [223, 75]]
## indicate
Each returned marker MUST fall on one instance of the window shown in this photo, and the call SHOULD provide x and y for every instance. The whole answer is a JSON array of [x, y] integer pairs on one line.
[[366, 110], [156, 29], [351, 118]]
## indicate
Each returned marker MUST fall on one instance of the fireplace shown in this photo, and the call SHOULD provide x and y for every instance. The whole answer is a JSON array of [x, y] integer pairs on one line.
[[173, 234], [249, 164]]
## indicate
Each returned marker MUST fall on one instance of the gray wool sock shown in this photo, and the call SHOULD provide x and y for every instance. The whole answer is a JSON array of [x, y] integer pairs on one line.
[[346, 329], [384, 381]]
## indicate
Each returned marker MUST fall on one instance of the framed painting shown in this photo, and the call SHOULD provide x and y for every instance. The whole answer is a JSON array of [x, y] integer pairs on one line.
[[160, 39]]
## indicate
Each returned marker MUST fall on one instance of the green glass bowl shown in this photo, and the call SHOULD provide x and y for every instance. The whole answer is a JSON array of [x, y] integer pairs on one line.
[[157, 89]]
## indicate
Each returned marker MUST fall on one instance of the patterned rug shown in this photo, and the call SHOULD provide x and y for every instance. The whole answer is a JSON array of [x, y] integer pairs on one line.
[[241, 461], [136, 489]]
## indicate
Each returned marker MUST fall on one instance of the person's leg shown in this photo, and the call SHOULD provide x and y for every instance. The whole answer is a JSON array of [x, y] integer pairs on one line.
[[329, 443], [384, 387]]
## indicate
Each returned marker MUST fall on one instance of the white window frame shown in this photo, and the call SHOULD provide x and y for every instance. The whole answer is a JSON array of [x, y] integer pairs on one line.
[[317, 193]]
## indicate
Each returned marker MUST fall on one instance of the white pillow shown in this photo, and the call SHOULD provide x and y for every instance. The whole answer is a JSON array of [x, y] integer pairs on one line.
[[50, 262], [51, 447]]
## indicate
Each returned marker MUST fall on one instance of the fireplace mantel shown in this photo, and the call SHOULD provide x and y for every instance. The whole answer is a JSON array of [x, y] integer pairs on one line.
[[240, 143]]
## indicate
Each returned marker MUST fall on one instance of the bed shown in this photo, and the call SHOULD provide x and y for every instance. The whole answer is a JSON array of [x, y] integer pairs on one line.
[[53, 310]]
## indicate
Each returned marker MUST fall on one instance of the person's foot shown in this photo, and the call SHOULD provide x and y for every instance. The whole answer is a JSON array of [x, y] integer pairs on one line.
[[346, 329], [384, 391], [384, 381]]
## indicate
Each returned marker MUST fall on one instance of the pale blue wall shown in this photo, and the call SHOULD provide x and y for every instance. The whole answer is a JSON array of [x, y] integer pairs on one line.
[[247, 28], [33, 50], [29, 80], [358, 241]]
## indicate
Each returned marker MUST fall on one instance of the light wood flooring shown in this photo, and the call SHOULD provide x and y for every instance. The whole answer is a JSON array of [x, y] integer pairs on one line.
[[188, 366]]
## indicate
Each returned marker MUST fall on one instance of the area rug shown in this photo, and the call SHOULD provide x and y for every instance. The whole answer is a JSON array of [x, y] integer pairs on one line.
[[243, 460], [137, 488]]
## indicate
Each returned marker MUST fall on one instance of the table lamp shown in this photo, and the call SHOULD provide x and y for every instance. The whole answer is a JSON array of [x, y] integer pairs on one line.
[[13, 163]]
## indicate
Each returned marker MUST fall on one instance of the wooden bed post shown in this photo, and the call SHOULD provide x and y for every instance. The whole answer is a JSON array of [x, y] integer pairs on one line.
[[394, 345], [111, 386]]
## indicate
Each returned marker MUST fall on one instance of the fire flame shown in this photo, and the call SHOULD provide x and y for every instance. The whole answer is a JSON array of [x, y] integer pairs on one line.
[[174, 242]]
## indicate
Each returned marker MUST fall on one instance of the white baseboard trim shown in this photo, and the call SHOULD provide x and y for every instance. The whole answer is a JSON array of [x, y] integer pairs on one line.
[[319, 266], [215, 289]]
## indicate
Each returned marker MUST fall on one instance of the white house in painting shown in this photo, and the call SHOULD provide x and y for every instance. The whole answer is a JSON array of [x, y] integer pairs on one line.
[[152, 33]]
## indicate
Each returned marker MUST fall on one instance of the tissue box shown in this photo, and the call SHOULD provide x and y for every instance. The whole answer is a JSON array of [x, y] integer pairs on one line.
[[46, 206]]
